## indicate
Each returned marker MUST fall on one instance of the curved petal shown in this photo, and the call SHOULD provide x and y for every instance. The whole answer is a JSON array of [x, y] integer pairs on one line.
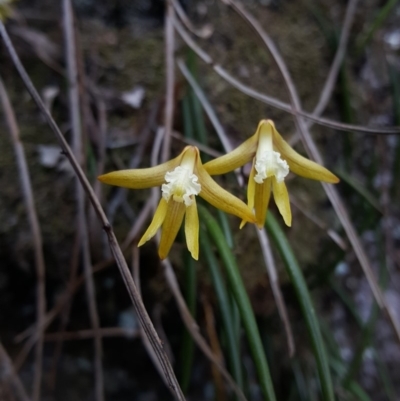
[[219, 198], [261, 201], [234, 159], [281, 197], [156, 223], [172, 223], [192, 230], [251, 191], [301, 165], [142, 177]]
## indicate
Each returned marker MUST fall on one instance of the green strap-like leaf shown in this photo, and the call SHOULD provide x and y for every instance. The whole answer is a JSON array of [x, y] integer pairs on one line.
[[307, 307], [243, 302], [225, 308]]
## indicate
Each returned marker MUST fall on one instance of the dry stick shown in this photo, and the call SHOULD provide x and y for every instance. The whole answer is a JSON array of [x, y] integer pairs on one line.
[[116, 250], [273, 101], [312, 150], [136, 278], [8, 375], [130, 333], [219, 129], [74, 106], [262, 235], [95, 235], [170, 79], [335, 237], [276, 289], [193, 142], [330, 81], [205, 32], [36, 237], [157, 317]]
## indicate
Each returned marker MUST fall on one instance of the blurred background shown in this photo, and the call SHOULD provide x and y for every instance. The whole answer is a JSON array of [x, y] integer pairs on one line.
[[120, 57]]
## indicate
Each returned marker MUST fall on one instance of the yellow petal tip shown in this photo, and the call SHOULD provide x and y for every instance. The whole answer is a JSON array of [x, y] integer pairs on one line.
[[101, 177], [142, 242]]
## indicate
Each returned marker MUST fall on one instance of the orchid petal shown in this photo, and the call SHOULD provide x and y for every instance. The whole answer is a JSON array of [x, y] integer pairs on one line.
[[192, 230], [172, 223], [261, 200], [301, 165], [251, 191], [156, 223], [140, 178], [234, 159], [221, 199], [281, 197]]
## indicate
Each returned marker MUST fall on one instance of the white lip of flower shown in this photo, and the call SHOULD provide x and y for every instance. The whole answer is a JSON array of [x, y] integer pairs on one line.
[[181, 185], [269, 163]]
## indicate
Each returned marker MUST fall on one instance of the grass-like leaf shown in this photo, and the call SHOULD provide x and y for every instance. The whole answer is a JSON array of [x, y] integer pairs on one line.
[[243, 302], [307, 307], [228, 320]]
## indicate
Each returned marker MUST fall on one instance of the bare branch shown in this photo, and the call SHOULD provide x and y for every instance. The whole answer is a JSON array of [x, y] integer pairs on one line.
[[77, 143], [170, 80], [8, 375], [276, 289], [36, 237]]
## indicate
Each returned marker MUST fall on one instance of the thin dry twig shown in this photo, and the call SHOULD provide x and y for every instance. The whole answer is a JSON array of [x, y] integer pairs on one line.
[[116, 250], [36, 237], [170, 80], [314, 153], [203, 148], [219, 129], [96, 235], [273, 101], [77, 145], [205, 32], [8, 375], [335, 237], [330, 81], [273, 277], [136, 277]]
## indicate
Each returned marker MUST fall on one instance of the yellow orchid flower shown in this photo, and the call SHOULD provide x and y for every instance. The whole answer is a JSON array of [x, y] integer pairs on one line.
[[272, 159], [5, 9], [181, 179]]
